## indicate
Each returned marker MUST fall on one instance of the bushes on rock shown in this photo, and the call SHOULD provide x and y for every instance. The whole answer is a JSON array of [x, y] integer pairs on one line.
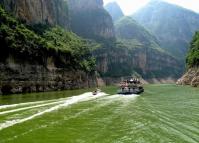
[[193, 55]]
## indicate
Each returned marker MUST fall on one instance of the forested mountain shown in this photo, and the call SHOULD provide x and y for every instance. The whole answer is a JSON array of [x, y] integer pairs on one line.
[[173, 26], [114, 10], [144, 51], [128, 29]]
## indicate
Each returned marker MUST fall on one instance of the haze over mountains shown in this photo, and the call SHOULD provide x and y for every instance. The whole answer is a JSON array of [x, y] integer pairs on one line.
[[173, 26], [145, 50]]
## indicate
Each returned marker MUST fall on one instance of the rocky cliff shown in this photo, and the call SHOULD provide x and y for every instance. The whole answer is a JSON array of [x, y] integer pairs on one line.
[[51, 59], [19, 76], [90, 20], [146, 62], [38, 58], [191, 77], [54, 12]]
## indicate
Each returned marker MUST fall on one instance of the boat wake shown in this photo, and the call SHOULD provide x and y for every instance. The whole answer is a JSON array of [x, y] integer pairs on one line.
[[61, 104]]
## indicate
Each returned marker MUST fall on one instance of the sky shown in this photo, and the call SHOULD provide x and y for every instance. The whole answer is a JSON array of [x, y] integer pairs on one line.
[[130, 6]]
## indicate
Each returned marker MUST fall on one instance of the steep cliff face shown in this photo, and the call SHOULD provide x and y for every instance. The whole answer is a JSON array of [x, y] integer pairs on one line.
[[90, 20], [19, 76], [114, 10], [147, 62], [54, 12], [54, 59]]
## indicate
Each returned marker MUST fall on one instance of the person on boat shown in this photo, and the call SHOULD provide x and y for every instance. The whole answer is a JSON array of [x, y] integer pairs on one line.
[[134, 81], [126, 84], [122, 85], [131, 80]]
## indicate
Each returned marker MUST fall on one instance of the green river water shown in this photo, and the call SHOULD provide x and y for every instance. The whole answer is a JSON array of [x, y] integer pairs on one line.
[[163, 114]]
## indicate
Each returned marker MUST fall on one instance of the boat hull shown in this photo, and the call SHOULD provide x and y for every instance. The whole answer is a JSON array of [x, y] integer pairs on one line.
[[130, 91]]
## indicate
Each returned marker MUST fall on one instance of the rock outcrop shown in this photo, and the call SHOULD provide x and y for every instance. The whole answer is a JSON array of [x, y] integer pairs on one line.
[[54, 12], [90, 20], [190, 78]]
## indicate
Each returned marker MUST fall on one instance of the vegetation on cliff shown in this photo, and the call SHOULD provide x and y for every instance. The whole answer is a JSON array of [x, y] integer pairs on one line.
[[134, 35], [29, 42], [143, 51], [193, 55]]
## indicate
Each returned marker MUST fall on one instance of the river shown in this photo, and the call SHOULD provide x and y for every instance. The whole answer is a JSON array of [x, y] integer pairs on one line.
[[164, 113]]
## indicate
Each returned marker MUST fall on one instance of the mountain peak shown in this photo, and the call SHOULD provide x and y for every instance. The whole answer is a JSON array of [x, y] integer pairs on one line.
[[114, 10]]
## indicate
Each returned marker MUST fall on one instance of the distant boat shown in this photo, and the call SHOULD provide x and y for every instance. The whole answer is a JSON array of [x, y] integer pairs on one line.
[[132, 86]]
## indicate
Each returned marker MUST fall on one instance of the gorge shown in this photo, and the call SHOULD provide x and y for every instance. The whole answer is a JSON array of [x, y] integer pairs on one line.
[[83, 71], [59, 44]]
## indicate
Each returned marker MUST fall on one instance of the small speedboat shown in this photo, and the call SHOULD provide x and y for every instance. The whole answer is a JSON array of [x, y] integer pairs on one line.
[[97, 91]]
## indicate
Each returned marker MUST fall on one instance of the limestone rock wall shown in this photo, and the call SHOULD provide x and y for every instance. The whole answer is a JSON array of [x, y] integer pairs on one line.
[[17, 76], [149, 63], [54, 12]]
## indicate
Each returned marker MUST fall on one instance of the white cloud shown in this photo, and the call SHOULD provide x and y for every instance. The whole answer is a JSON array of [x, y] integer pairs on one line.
[[130, 6]]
